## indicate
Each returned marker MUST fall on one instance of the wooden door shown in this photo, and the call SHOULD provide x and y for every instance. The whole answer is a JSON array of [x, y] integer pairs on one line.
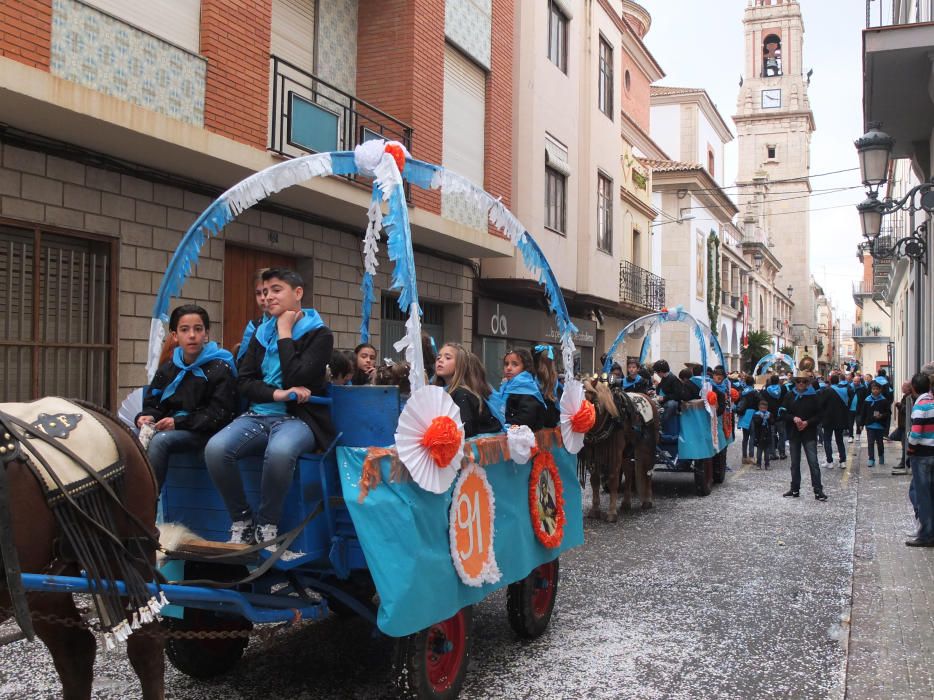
[[240, 264]]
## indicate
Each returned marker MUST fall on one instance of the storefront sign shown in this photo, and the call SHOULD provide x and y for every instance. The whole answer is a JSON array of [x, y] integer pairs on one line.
[[498, 320]]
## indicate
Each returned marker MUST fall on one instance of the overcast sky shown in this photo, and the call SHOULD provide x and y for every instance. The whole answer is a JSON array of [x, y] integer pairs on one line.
[[699, 43]]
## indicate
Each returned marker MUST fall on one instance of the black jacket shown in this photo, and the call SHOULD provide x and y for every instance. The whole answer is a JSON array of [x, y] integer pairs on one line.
[[475, 420], [836, 411], [641, 386], [303, 364], [774, 402], [210, 403], [882, 405], [763, 429], [862, 391], [670, 386], [807, 408], [689, 391], [522, 409]]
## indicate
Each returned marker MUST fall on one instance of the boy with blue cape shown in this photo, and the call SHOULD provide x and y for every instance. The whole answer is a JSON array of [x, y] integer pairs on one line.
[[282, 368], [191, 396]]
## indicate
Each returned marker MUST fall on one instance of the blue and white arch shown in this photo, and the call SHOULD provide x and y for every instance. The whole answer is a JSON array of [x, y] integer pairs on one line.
[[373, 160]]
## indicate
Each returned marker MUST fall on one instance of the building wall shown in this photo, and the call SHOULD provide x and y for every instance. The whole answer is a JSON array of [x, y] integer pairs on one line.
[[707, 136], [148, 219], [26, 32], [666, 129]]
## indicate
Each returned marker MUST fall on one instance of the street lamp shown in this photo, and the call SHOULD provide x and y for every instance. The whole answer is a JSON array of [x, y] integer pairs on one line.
[[790, 291], [875, 150], [757, 259]]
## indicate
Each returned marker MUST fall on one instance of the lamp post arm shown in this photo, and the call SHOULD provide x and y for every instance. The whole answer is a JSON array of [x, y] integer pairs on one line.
[[889, 205]]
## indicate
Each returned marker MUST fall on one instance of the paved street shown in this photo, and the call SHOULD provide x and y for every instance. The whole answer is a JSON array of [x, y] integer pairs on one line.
[[742, 594]]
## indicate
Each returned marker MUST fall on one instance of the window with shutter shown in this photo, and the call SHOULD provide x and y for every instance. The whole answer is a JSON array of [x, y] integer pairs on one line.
[[176, 21]]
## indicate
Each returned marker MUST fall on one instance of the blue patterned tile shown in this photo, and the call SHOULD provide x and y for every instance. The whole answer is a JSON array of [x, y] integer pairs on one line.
[[100, 52]]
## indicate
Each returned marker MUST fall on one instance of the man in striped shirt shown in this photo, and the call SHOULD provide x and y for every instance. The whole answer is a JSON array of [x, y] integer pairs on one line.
[[921, 455]]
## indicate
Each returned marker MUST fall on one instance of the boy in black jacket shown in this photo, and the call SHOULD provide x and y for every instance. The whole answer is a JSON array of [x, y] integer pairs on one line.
[[282, 368], [801, 410], [192, 395], [876, 415], [763, 425]]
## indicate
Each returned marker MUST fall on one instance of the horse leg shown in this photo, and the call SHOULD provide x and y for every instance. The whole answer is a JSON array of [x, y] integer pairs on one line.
[[628, 473], [615, 458], [641, 461], [72, 648], [148, 660], [594, 511]]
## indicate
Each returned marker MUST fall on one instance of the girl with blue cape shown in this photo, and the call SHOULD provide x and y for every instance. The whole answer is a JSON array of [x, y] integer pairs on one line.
[[191, 396], [547, 375], [519, 398]]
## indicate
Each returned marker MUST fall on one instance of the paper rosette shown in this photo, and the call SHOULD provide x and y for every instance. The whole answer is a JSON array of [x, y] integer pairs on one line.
[[520, 440], [572, 401], [429, 412]]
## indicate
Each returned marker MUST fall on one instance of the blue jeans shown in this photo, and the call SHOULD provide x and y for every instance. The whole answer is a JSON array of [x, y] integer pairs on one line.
[[795, 443], [749, 443], [165, 442], [280, 439], [922, 478]]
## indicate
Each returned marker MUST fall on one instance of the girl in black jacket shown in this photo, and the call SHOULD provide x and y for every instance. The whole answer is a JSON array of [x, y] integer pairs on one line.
[[461, 375], [547, 376], [519, 397], [191, 396]]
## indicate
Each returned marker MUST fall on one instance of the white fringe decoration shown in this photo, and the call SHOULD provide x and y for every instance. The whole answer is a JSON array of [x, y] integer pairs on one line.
[[260, 185], [411, 344], [706, 388], [372, 237], [367, 156], [520, 439], [156, 338]]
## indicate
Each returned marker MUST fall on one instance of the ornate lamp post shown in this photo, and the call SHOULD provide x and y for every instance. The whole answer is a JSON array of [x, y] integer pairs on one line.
[[875, 150]]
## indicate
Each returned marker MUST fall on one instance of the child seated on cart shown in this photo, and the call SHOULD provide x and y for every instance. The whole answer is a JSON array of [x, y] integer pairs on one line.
[[454, 371], [282, 368], [192, 395], [519, 399]]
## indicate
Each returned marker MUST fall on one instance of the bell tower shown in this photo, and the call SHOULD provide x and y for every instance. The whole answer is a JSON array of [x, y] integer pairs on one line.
[[774, 123]]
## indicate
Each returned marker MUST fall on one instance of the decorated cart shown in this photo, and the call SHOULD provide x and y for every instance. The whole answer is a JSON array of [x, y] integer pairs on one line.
[[694, 438], [769, 361], [401, 521]]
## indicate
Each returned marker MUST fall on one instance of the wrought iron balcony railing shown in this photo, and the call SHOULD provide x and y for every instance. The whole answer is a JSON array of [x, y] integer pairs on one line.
[[311, 116], [885, 13], [640, 287]]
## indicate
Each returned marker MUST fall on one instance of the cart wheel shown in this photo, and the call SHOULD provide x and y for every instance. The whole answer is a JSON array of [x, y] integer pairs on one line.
[[719, 467], [703, 476], [431, 664], [530, 602], [205, 658]]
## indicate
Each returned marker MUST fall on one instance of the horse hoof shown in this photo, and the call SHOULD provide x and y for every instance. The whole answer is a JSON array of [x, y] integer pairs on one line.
[[611, 517], [647, 505], [626, 507], [593, 514]]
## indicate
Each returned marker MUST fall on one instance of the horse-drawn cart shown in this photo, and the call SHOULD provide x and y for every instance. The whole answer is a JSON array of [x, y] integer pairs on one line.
[[692, 439], [405, 542]]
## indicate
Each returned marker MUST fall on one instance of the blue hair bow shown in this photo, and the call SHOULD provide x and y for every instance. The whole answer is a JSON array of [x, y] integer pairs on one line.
[[547, 349]]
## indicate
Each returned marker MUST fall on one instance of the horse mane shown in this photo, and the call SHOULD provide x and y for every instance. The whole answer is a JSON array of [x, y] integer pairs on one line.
[[603, 395]]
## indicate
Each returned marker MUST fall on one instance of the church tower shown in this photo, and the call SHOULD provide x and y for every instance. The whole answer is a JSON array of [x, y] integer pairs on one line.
[[774, 123]]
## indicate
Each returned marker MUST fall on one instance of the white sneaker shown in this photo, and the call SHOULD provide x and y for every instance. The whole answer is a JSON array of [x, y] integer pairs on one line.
[[829, 465], [241, 532], [265, 533], [850, 439]]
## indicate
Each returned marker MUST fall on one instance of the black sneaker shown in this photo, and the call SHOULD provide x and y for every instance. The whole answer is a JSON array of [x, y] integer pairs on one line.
[[790, 493], [820, 496]]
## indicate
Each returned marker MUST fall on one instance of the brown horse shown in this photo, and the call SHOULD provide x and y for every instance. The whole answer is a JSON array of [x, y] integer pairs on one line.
[[621, 444], [35, 531]]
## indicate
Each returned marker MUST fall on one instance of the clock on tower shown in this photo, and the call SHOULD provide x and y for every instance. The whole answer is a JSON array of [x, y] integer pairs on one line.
[[771, 98]]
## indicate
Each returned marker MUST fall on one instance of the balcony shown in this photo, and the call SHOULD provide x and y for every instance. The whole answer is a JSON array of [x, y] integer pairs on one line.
[[311, 116], [640, 287], [868, 333], [896, 69], [861, 291]]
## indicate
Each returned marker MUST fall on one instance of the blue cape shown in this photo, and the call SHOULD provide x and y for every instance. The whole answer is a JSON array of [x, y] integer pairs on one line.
[[211, 351], [842, 392], [248, 331], [775, 390], [268, 336], [808, 392], [523, 383], [627, 382]]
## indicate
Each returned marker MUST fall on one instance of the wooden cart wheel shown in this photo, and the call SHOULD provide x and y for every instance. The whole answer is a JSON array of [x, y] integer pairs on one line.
[[530, 602], [719, 467], [703, 476], [432, 664], [205, 658]]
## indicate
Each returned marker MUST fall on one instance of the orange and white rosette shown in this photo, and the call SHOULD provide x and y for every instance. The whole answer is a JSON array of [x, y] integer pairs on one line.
[[430, 438], [577, 416], [473, 510]]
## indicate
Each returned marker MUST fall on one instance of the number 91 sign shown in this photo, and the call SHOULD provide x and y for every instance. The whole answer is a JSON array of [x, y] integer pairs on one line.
[[471, 528]]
